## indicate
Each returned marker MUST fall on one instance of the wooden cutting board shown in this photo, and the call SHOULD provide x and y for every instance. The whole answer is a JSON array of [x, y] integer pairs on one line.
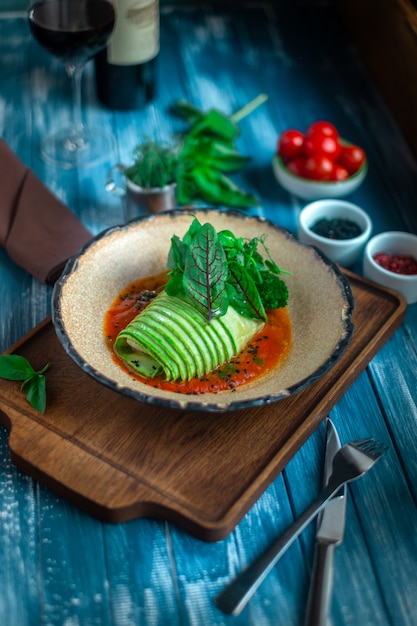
[[120, 459]]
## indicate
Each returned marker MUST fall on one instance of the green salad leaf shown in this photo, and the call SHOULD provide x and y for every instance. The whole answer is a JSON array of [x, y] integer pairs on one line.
[[218, 269], [243, 293], [205, 272], [16, 367]]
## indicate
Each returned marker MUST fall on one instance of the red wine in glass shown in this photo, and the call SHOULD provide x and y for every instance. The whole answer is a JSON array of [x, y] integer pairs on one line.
[[74, 31]]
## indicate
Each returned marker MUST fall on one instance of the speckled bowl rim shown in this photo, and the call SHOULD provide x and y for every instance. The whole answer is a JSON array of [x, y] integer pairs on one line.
[[247, 396]]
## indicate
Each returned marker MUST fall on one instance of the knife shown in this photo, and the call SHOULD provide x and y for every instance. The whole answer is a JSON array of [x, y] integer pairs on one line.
[[330, 531]]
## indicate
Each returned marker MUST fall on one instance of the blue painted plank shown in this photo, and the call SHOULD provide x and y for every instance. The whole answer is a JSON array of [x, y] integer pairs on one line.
[[140, 573], [18, 543], [71, 564]]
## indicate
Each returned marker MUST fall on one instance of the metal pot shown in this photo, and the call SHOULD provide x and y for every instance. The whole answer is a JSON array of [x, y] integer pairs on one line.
[[139, 200]]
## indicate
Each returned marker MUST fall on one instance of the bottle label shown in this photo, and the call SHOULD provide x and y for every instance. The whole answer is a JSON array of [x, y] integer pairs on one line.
[[135, 38]]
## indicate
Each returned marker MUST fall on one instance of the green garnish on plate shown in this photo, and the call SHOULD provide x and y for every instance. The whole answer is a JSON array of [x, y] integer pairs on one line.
[[215, 270], [214, 302]]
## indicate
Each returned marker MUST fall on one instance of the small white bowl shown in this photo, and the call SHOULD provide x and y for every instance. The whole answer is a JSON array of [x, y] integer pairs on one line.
[[315, 189], [342, 251], [392, 242]]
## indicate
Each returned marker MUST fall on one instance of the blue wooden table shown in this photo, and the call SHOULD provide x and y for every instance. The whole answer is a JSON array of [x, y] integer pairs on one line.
[[58, 565]]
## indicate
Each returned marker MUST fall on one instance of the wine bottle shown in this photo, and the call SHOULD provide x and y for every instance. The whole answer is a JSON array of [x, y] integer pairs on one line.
[[126, 69]]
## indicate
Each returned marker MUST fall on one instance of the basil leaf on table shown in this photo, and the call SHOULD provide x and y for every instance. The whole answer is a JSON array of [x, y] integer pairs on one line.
[[36, 392], [16, 367]]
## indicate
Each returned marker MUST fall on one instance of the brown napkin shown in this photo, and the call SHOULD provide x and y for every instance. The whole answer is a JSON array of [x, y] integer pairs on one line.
[[38, 231]]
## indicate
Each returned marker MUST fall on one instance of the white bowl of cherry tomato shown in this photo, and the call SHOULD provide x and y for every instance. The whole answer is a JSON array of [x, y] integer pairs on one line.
[[390, 259], [318, 163], [338, 228]]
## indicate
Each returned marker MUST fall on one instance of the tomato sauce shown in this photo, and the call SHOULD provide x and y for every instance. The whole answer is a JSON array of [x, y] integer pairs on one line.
[[264, 351]]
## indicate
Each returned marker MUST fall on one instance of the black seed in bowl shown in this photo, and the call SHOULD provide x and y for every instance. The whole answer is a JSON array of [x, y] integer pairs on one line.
[[336, 228]]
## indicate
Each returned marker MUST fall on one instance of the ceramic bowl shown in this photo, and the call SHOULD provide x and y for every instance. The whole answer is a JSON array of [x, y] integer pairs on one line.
[[342, 251], [320, 306], [314, 189], [392, 242]]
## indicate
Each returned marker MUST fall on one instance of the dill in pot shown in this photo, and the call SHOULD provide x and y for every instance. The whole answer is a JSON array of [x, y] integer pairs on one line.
[[155, 165]]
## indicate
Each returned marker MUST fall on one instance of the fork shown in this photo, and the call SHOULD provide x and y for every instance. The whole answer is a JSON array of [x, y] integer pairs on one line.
[[350, 462]]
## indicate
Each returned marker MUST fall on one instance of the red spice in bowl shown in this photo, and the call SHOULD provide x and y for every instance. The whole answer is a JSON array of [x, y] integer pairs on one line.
[[397, 263]]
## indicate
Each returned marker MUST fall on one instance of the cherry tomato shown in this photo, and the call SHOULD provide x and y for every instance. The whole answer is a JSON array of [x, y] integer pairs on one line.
[[325, 128], [297, 166], [318, 143], [290, 144], [339, 173], [319, 167], [352, 158]]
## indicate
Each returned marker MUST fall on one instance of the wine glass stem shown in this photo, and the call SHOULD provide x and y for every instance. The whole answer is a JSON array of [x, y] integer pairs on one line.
[[77, 139], [76, 98]]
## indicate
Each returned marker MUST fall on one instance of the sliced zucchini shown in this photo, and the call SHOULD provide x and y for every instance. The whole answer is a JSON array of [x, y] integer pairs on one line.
[[172, 337]]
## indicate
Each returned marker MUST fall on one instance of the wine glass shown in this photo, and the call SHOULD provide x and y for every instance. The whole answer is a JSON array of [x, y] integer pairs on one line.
[[74, 31]]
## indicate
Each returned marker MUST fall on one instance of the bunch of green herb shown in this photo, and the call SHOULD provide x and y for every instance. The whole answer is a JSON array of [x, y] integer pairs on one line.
[[155, 165], [218, 269], [208, 153], [15, 367]]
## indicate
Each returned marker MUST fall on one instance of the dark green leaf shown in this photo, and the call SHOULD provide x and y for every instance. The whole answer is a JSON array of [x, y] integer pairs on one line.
[[218, 269], [214, 122], [176, 254], [175, 285], [229, 240], [15, 367], [215, 187], [243, 293], [188, 111], [209, 152], [192, 232], [187, 190], [36, 392], [205, 272]]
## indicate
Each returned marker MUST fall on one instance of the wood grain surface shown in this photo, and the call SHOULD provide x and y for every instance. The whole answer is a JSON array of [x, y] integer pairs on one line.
[[120, 459]]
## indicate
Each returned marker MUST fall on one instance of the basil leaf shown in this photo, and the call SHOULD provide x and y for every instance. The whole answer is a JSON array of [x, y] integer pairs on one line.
[[36, 392], [214, 122], [189, 111], [205, 273], [15, 367]]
